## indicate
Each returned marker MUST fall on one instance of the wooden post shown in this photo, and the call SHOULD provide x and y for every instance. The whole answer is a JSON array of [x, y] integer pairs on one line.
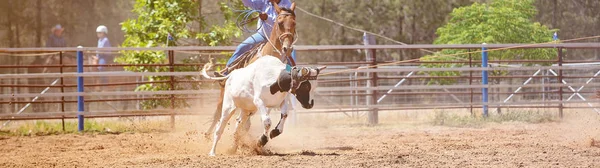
[[62, 90], [373, 116], [560, 80], [172, 82]]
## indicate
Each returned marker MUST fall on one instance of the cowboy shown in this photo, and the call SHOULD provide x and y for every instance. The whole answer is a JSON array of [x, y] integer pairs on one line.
[[56, 39], [268, 14]]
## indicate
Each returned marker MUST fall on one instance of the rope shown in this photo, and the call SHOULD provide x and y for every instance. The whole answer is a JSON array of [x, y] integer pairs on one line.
[[359, 30], [456, 54], [244, 18]]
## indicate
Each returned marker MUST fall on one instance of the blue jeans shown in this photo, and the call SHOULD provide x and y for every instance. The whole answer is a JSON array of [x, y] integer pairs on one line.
[[247, 44], [102, 61]]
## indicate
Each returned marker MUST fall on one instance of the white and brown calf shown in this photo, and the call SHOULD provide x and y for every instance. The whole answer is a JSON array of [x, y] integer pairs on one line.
[[262, 86]]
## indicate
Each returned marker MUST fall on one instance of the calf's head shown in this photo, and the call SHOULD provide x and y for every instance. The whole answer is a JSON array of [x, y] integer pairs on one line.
[[298, 82]]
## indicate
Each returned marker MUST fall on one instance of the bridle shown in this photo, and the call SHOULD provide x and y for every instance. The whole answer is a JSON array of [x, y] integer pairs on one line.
[[300, 75], [286, 57]]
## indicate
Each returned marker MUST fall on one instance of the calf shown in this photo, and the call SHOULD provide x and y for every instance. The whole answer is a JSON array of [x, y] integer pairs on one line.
[[262, 86]]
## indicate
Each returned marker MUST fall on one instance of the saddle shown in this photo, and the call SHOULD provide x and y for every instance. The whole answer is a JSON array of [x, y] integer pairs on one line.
[[244, 59]]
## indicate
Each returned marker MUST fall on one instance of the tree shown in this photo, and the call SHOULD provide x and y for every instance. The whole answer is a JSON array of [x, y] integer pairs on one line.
[[402, 20], [159, 20], [501, 21]]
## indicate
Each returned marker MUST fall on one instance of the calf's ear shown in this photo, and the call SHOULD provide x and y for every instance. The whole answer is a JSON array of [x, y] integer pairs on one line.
[[274, 88]]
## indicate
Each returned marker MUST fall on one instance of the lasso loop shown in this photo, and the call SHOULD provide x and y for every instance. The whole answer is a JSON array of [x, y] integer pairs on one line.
[[244, 18]]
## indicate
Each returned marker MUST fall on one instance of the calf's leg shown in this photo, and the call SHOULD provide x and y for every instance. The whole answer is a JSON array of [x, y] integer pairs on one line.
[[264, 115], [228, 111], [279, 128]]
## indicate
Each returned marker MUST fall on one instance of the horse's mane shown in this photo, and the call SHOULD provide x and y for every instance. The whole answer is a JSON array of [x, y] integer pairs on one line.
[[289, 11]]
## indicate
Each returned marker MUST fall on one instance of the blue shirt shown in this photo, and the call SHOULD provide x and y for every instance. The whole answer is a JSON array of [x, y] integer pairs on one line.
[[265, 6], [54, 41], [103, 42]]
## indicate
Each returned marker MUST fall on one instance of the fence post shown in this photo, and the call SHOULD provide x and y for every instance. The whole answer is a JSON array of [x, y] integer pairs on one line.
[[471, 82], [80, 102], [62, 90], [484, 79], [373, 116], [560, 80], [172, 82]]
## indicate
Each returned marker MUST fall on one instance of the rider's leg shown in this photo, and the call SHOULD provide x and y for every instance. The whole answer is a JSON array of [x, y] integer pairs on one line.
[[245, 46]]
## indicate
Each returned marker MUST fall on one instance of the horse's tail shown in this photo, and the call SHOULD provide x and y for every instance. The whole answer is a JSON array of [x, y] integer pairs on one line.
[[208, 66]]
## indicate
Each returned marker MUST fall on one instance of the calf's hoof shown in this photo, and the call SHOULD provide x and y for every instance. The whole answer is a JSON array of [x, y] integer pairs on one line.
[[263, 141], [274, 133]]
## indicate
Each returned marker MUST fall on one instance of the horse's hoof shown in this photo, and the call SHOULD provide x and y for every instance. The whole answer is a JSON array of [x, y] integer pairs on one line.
[[263, 141], [274, 133]]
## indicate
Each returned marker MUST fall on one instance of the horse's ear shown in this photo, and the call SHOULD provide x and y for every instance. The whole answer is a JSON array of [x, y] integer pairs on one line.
[[293, 6], [276, 6]]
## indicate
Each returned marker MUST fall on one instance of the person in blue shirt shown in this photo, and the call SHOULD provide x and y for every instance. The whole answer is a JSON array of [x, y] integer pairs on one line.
[[268, 12], [103, 58], [56, 39]]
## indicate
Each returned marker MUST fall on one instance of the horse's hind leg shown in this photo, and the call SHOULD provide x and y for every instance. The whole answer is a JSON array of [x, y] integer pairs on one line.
[[228, 111], [241, 128], [215, 120], [216, 115]]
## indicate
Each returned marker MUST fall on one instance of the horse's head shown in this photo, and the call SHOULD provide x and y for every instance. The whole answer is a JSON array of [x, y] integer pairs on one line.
[[285, 26]]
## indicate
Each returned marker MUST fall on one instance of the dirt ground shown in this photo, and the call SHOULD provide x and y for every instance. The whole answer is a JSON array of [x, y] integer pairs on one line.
[[568, 143]]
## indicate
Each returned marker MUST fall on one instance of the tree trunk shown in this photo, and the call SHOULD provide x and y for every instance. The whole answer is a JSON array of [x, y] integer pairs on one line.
[[554, 19], [400, 33], [9, 24], [199, 20], [38, 32]]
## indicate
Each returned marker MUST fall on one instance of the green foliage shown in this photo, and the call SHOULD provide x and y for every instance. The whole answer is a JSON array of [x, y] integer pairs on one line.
[[444, 118], [221, 34], [501, 21], [156, 20], [41, 128]]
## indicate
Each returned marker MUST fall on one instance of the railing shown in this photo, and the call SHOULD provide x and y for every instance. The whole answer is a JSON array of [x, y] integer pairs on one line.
[[394, 85]]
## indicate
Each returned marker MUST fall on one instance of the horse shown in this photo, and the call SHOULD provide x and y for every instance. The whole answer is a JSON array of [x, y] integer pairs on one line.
[[279, 43]]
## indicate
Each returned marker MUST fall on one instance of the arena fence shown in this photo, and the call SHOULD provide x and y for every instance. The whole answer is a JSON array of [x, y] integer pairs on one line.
[[66, 85]]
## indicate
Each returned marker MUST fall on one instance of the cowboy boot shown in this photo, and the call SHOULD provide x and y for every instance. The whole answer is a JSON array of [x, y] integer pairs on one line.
[[222, 72]]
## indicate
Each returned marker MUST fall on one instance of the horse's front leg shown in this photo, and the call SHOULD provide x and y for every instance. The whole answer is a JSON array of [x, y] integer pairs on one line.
[[284, 114]]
